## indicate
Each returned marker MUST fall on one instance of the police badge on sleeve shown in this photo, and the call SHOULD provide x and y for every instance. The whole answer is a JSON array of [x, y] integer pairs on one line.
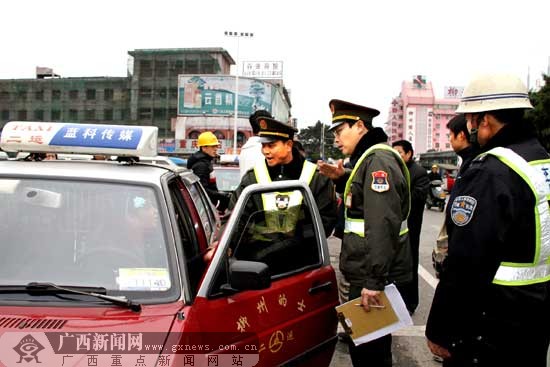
[[462, 210], [380, 181]]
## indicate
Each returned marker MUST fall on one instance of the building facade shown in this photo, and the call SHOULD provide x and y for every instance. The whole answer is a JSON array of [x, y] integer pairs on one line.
[[419, 117], [147, 96]]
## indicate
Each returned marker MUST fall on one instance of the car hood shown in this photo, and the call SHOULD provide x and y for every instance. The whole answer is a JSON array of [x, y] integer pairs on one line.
[[83, 335]]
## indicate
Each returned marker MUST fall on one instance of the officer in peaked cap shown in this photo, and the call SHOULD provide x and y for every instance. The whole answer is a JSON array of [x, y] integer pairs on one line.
[[284, 162], [376, 208], [343, 111], [272, 130]]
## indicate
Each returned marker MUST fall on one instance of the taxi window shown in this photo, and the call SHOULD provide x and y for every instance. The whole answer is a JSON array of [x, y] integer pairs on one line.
[[282, 236], [203, 207], [82, 233]]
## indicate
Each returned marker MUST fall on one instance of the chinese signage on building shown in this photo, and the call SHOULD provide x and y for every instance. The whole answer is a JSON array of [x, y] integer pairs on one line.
[[263, 69], [453, 92]]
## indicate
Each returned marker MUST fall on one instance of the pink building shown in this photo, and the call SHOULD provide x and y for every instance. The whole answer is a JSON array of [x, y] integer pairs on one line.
[[417, 116]]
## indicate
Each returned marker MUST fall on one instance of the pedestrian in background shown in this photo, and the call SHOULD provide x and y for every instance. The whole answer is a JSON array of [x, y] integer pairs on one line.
[[251, 151], [201, 164], [420, 184], [459, 138], [375, 249], [491, 306], [434, 173]]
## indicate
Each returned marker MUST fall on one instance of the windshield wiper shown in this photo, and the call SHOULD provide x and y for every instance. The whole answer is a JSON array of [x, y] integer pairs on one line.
[[44, 287]]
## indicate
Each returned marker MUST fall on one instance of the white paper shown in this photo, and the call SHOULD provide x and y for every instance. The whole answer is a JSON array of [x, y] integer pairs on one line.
[[398, 305]]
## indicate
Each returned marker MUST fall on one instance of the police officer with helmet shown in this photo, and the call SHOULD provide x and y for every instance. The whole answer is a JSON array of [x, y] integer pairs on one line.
[[492, 304], [376, 194]]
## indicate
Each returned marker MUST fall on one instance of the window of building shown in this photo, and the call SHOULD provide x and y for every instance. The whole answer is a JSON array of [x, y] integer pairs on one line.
[[90, 94], [219, 135], [191, 67], [89, 114], [144, 113], [145, 68], [108, 114], [39, 115], [173, 92], [5, 115], [55, 115], [124, 113], [194, 134], [56, 95], [159, 113], [145, 93], [437, 126], [39, 95], [73, 94], [4, 95], [447, 145], [207, 67], [172, 112], [437, 145], [411, 113], [22, 95], [22, 115], [178, 67], [161, 93], [108, 95], [161, 68], [73, 115]]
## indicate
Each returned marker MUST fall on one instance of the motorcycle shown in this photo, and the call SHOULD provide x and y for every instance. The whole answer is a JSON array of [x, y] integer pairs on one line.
[[436, 195]]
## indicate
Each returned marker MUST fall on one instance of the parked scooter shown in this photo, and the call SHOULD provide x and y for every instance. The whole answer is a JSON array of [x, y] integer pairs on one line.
[[436, 195]]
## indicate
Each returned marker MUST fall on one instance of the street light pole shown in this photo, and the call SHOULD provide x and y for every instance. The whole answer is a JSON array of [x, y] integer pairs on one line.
[[236, 99]]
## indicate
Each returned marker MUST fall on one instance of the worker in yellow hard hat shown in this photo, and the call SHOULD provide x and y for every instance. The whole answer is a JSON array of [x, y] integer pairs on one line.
[[201, 164]]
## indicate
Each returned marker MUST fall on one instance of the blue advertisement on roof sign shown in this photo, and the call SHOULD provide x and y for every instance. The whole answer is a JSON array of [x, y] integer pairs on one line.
[[103, 136]]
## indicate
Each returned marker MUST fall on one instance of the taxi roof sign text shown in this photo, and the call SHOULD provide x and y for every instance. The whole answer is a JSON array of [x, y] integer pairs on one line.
[[120, 140]]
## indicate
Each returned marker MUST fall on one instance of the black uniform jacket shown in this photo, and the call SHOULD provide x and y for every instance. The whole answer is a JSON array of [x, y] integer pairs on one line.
[[321, 187], [201, 164], [500, 226], [381, 256], [420, 185]]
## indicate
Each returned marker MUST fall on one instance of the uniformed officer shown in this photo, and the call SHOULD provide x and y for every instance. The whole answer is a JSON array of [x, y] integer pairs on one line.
[[375, 249], [284, 162], [491, 306]]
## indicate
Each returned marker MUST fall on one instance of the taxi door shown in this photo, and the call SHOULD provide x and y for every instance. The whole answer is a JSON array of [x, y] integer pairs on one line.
[[279, 287]]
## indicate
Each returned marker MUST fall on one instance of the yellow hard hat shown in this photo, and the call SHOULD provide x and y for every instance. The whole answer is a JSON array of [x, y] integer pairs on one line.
[[435, 166], [492, 92], [207, 139]]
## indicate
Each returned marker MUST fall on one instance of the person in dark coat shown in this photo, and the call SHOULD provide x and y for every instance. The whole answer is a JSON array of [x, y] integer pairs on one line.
[[491, 305], [375, 249], [420, 185], [201, 164], [459, 137]]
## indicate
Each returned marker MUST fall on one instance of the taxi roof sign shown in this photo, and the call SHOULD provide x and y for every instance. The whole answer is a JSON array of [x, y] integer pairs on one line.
[[42, 137]]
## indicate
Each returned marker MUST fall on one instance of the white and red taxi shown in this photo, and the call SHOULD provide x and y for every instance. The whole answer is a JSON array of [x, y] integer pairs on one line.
[[101, 262]]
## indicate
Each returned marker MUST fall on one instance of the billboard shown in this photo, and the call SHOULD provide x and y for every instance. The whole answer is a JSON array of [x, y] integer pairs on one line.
[[214, 95]]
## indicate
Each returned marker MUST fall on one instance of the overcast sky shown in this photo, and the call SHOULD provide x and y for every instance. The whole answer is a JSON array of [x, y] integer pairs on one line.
[[360, 51]]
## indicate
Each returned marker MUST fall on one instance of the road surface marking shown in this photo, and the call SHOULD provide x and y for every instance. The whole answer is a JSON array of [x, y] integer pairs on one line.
[[429, 278], [414, 330]]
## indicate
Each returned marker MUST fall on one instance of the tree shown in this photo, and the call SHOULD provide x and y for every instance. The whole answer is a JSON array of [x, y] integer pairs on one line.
[[310, 138], [540, 115]]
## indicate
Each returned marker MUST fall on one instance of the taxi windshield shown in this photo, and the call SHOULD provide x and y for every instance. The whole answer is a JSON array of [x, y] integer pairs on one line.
[[82, 233]]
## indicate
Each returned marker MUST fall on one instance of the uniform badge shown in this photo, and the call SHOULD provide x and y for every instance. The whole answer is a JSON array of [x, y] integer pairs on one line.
[[380, 181], [282, 201], [462, 210], [263, 124]]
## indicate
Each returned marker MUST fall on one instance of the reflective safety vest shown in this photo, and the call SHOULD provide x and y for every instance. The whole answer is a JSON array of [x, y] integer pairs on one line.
[[537, 176], [282, 209], [357, 225]]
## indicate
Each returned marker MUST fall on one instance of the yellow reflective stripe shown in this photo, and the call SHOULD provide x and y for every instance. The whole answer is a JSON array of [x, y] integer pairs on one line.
[[510, 273], [404, 169], [345, 117], [357, 226]]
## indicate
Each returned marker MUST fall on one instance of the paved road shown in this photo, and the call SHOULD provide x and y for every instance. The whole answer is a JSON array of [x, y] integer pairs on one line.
[[409, 345]]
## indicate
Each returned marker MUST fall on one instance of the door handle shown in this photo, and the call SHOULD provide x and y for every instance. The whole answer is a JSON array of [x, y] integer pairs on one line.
[[321, 287]]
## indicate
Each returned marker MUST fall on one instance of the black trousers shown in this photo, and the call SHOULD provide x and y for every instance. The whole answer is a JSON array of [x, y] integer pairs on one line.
[[376, 353]]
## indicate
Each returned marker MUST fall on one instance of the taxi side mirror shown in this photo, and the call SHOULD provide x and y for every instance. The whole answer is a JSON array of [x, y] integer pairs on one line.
[[249, 275]]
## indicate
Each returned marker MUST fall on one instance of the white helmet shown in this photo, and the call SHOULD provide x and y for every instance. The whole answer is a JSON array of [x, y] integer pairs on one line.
[[490, 92]]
